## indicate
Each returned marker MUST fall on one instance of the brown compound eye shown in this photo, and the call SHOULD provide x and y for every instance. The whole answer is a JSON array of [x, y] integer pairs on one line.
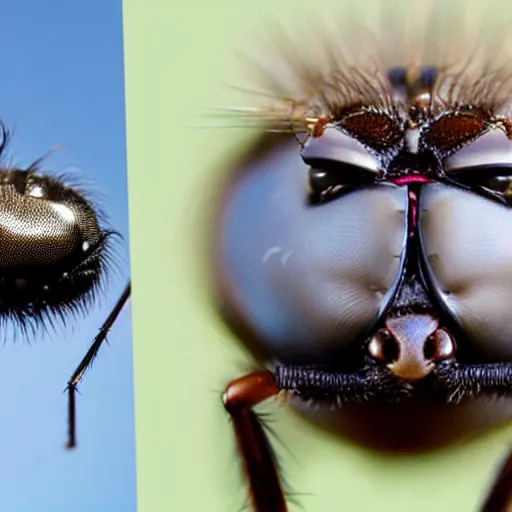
[[376, 130], [451, 131]]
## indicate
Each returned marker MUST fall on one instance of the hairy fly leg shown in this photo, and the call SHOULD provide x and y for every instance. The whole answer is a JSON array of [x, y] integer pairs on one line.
[[374, 383], [458, 382], [499, 498], [244, 393], [258, 458]]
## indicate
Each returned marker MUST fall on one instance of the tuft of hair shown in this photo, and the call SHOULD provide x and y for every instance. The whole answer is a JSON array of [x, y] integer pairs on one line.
[[337, 61]]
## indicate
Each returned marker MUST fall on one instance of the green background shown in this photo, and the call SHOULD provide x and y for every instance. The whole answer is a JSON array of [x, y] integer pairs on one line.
[[178, 59]]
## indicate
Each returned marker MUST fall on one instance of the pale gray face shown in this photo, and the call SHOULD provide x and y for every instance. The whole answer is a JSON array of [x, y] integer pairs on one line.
[[309, 280]]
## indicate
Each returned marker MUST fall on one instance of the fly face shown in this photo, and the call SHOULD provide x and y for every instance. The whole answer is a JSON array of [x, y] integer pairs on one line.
[[369, 262], [385, 231]]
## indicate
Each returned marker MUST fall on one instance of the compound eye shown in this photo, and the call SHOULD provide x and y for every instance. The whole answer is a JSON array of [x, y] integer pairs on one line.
[[305, 280], [337, 163], [54, 251], [43, 222], [485, 165]]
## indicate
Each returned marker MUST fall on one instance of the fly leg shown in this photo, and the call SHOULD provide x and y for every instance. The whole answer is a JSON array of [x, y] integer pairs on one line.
[[86, 362], [241, 395], [459, 382], [257, 455], [500, 496]]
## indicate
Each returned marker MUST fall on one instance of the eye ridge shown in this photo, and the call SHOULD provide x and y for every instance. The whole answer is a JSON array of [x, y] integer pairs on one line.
[[493, 181], [329, 178], [480, 174]]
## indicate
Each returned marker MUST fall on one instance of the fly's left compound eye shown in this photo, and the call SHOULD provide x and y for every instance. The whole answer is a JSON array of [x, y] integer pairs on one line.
[[338, 163], [308, 280]]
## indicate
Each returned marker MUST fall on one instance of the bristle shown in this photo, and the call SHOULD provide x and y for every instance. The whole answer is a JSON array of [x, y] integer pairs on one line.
[[328, 67]]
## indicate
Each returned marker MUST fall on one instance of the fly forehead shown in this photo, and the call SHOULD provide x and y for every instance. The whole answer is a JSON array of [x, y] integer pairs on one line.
[[404, 147], [416, 121], [386, 132], [413, 85], [412, 140]]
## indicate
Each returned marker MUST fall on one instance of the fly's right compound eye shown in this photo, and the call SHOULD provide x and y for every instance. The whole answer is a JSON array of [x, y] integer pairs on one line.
[[466, 236]]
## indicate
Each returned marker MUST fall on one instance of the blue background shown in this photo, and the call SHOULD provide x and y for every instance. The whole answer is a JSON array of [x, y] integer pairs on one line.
[[62, 84]]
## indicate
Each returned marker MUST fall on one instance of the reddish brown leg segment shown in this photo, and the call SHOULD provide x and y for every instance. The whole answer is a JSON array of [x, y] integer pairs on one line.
[[500, 497], [258, 459]]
